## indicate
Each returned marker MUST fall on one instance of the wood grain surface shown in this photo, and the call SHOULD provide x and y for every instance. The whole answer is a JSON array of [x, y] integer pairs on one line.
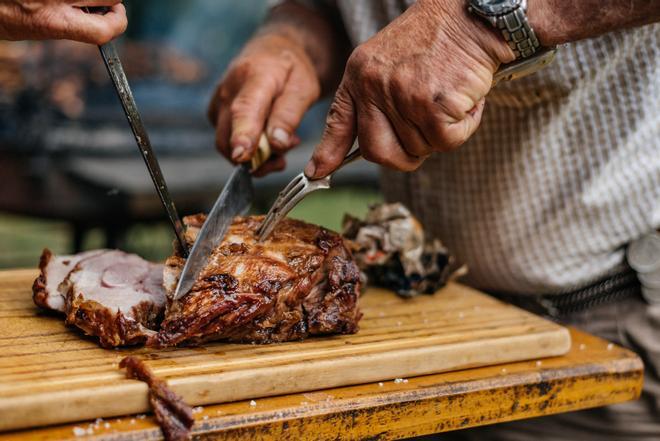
[[50, 374], [593, 373]]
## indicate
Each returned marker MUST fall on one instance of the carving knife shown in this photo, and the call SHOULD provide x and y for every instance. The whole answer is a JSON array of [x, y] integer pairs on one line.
[[119, 80], [234, 200]]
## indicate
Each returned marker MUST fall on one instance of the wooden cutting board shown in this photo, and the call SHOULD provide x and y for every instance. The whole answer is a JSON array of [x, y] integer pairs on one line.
[[50, 373]]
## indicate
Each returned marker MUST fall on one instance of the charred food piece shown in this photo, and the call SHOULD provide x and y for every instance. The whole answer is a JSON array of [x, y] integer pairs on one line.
[[392, 249], [110, 294], [174, 416], [301, 281]]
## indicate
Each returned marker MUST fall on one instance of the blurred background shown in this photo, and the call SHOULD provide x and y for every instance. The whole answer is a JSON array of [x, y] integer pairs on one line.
[[71, 175]]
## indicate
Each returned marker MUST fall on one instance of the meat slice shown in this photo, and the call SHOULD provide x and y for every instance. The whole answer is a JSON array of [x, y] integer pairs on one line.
[[110, 294], [54, 269], [301, 281]]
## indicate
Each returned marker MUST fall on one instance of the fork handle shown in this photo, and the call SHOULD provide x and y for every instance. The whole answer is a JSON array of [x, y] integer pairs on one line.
[[351, 157]]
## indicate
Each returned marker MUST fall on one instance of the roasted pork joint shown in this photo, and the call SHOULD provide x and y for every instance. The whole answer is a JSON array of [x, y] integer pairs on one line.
[[115, 296], [301, 281]]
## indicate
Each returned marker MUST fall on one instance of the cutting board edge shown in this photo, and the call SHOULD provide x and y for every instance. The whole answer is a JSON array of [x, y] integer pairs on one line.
[[131, 397]]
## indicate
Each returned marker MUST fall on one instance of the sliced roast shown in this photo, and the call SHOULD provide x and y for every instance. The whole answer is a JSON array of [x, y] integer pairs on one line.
[[115, 296], [53, 270]]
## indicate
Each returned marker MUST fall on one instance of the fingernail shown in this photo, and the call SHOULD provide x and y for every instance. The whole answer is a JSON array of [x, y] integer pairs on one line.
[[310, 169], [237, 153], [240, 145], [281, 136]]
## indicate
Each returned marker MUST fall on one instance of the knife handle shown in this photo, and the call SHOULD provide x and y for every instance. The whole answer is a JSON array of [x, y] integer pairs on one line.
[[262, 154]]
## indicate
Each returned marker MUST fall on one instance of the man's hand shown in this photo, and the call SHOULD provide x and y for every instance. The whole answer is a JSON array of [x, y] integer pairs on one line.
[[416, 87], [269, 86], [61, 19]]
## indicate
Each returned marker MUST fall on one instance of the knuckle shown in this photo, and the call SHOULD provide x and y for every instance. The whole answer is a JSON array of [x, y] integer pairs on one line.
[[239, 107], [335, 118], [362, 64]]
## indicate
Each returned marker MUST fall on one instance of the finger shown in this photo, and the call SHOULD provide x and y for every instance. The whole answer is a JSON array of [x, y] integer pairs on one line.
[[249, 110], [456, 134], [338, 136], [92, 28], [410, 134], [275, 163], [223, 131], [288, 110], [380, 144]]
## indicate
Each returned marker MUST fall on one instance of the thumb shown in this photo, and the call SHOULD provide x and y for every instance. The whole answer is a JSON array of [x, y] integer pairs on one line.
[[338, 136]]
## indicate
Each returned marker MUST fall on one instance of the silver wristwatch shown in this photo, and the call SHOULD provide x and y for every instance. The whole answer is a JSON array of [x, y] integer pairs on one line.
[[509, 17]]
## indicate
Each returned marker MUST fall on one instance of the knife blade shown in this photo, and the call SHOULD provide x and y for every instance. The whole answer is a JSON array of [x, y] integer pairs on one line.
[[235, 200]]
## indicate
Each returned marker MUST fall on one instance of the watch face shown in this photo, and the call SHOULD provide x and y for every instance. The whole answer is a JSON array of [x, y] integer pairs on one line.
[[495, 7]]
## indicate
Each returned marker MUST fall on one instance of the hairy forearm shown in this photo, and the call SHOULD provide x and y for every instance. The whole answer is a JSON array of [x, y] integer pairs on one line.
[[562, 21], [320, 32]]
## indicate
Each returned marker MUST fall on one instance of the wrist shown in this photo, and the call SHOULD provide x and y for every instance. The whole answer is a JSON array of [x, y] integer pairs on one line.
[[471, 29], [315, 34]]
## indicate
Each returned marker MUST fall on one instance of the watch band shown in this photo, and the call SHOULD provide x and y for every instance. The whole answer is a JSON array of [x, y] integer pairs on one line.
[[518, 33]]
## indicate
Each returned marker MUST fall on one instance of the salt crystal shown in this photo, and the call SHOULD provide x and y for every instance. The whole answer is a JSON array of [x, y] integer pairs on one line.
[[106, 425], [504, 370], [253, 403], [205, 417], [79, 431], [582, 346], [197, 409], [89, 431], [380, 384], [610, 346], [142, 416], [405, 380], [218, 412], [132, 421], [539, 363], [398, 380], [98, 421]]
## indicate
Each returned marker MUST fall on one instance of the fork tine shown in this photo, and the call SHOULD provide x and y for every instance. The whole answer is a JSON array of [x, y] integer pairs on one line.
[[275, 216], [296, 180], [281, 209], [294, 187]]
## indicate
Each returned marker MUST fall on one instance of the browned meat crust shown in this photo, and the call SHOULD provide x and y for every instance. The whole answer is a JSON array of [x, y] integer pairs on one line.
[[173, 415], [114, 328], [301, 281], [39, 292]]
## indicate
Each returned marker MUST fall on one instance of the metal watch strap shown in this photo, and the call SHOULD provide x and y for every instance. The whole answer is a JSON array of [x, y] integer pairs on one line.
[[518, 33]]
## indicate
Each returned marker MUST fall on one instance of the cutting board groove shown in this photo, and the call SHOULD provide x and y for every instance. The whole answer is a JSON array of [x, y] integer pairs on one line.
[[52, 374]]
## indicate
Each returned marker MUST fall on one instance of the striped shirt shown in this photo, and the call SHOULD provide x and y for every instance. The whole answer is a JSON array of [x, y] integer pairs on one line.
[[562, 174]]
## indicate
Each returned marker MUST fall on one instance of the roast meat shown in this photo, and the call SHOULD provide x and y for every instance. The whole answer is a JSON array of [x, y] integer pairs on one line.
[[115, 296], [300, 281]]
